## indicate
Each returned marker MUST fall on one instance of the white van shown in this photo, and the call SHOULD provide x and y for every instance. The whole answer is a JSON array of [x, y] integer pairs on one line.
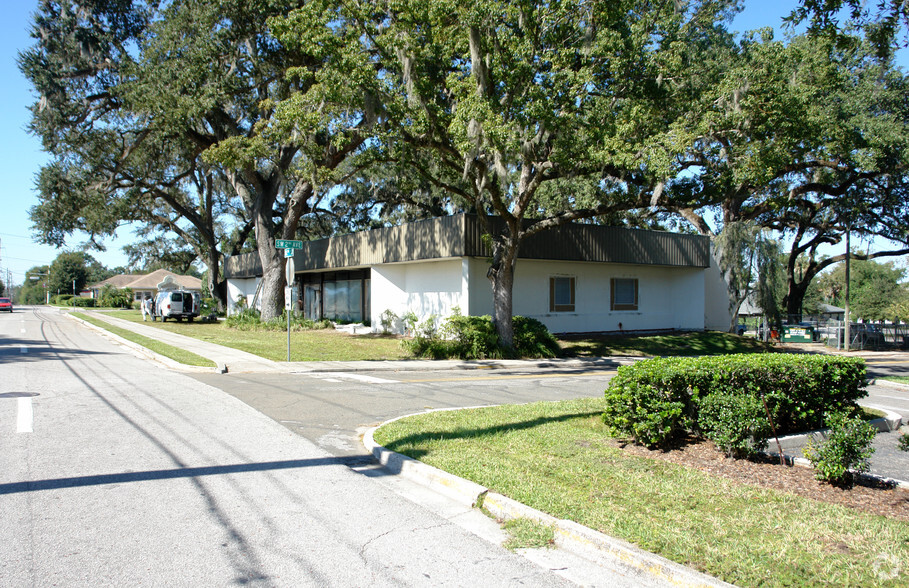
[[177, 304]]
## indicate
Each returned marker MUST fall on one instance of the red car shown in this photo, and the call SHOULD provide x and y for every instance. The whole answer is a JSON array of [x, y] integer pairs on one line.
[[6, 304]]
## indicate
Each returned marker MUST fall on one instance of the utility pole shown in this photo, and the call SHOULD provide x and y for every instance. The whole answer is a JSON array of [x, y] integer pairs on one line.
[[848, 255]]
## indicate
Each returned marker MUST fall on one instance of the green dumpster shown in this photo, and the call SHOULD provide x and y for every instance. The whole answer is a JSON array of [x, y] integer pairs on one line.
[[798, 333]]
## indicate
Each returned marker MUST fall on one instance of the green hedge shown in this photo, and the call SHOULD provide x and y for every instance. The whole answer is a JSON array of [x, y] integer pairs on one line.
[[68, 300], [658, 401]]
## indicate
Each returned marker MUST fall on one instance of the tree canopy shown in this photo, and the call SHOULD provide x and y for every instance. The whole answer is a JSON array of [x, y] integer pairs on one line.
[[221, 123]]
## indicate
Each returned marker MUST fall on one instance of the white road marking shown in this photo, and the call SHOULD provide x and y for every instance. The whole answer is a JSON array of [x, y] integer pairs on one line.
[[22, 331], [25, 417], [337, 377], [891, 397]]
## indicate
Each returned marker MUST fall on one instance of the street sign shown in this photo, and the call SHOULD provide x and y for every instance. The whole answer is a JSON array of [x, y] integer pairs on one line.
[[288, 244], [289, 252], [289, 270], [288, 298]]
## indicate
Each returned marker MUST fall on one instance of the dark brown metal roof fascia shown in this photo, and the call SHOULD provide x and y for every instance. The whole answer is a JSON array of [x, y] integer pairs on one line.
[[462, 236], [597, 243]]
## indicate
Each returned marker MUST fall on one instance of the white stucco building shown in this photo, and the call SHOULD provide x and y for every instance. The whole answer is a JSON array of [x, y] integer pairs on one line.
[[574, 279]]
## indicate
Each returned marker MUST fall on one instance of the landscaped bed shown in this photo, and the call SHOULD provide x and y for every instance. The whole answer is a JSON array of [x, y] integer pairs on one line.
[[751, 523]]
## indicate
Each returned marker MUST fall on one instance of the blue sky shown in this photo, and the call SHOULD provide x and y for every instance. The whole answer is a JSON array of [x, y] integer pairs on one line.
[[21, 155]]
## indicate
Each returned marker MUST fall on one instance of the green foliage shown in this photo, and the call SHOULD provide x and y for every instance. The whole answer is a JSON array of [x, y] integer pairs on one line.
[[66, 270], [249, 319], [410, 320], [533, 339], [655, 402], [387, 320], [527, 534], [115, 297], [736, 422], [475, 337], [903, 442], [847, 449], [74, 301], [876, 291]]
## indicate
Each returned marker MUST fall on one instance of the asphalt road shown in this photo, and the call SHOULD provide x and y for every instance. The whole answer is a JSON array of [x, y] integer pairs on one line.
[[332, 409], [114, 471]]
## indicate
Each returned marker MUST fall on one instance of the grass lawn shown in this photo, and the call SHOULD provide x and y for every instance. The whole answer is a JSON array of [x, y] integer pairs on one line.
[[897, 379], [696, 343], [556, 457], [174, 353], [318, 345], [328, 345]]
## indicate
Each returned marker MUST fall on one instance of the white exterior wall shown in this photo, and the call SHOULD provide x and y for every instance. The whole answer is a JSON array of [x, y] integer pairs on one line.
[[717, 314], [668, 297], [426, 288], [237, 288]]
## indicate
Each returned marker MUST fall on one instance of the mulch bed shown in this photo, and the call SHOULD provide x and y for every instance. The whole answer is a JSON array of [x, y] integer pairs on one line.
[[873, 498]]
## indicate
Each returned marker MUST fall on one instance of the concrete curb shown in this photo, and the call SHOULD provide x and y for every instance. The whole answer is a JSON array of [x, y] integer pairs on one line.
[[888, 384], [805, 463], [570, 536], [890, 422], [143, 351]]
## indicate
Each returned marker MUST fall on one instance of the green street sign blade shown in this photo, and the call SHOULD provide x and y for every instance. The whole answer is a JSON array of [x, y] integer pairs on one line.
[[288, 244]]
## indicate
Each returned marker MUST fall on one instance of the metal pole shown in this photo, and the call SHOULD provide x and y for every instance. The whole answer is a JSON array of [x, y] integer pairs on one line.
[[848, 255]]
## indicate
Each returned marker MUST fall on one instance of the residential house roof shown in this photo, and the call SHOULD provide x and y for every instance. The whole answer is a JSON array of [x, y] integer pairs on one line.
[[149, 281]]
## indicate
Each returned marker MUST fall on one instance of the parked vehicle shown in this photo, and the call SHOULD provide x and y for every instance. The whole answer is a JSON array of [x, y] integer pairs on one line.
[[6, 304], [176, 304]]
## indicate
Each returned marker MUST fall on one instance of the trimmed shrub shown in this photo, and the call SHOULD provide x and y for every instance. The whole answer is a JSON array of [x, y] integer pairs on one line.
[[77, 301], [847, 448], [654, 402], [736, 423]]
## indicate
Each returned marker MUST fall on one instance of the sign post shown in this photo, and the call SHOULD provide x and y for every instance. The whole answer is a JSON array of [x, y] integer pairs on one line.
[[288, 245], [288, 295]]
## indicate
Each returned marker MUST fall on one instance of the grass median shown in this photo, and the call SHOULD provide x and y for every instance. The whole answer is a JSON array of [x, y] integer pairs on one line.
[[174, 353], [558, 458]]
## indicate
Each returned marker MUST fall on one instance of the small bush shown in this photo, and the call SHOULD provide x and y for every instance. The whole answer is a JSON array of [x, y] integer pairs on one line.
[[410, 320], [115, 297], [533, 339], [903, 442], [847, 448], [387, 320]]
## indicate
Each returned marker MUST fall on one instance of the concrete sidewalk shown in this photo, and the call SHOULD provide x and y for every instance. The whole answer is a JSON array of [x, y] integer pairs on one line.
[[236, 361]]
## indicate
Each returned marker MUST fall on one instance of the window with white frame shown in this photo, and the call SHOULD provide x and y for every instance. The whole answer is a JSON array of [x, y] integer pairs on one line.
[[561, 294], [624, 294]]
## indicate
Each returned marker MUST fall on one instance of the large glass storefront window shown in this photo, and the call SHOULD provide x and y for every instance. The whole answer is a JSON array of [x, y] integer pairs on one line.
[[338, 296]]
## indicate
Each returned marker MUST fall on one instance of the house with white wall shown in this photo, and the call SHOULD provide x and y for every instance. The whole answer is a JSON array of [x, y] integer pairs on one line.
[[574, 278]]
